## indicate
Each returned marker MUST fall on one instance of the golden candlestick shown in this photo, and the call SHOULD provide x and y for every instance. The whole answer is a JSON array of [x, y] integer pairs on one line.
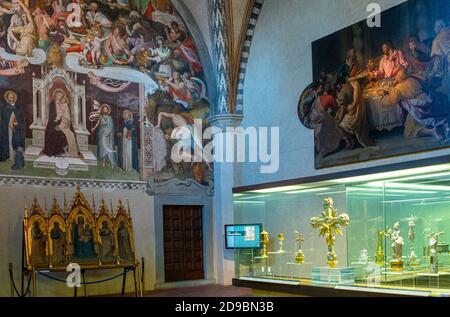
[[379, 257], [299, 255], [264, 241], [330, 222], [280, 243]]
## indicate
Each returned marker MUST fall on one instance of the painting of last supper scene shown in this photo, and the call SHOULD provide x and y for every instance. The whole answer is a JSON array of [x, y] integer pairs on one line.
[[381, 91], [98, 90]]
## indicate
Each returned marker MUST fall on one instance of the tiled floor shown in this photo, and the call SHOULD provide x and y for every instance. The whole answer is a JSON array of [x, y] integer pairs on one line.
[[203, 291]]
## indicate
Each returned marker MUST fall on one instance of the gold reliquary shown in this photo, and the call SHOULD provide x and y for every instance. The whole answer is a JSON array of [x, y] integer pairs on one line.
[[78, 233]]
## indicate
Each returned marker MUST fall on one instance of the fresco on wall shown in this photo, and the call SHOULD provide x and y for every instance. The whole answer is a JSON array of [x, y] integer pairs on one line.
[[381, 92], [96, 90]]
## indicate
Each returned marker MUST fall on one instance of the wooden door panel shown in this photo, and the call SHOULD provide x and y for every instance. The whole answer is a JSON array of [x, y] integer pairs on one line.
[[183, 244]]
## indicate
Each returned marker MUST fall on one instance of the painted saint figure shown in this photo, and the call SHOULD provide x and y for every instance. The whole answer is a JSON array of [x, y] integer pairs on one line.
[[105, 137], [83, 240], [26, 31], [130, 160], [38, 244], [107, 241], [12, 130], [44, 24], [124, 241], [117, 47], [59, 244], [423, 113], [64, 118], [94, 16], [390, 62], [60, 136], [327, 134]]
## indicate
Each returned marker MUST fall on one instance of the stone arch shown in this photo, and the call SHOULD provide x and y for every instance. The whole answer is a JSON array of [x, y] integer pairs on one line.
[[247, 43], [202, 50]]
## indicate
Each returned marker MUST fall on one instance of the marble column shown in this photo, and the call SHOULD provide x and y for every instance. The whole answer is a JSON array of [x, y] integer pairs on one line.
[[226, 175]]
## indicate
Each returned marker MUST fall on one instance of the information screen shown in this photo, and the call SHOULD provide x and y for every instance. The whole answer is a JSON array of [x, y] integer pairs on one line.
[[243, 236]]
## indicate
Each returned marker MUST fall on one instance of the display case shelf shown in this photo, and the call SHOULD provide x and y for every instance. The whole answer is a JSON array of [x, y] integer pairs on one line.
[[393, 217]]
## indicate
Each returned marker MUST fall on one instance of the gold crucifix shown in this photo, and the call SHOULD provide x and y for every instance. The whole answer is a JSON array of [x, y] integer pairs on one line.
[[330, 223]]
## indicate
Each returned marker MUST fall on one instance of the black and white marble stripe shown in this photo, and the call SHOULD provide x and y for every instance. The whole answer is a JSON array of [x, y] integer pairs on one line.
[[256, 11]]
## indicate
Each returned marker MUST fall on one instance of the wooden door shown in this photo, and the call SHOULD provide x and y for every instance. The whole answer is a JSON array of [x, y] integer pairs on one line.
[[183, 243]]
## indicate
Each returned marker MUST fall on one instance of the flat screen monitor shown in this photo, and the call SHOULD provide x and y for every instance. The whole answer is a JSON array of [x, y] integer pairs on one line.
[[246, 236]]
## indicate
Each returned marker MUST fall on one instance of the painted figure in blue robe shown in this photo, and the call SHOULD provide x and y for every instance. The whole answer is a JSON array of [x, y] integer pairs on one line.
[[105, 137], [83, 240], [12, 129], [129, 159]]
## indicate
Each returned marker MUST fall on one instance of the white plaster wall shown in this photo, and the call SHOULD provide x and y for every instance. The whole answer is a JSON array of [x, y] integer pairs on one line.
[[11, 215], [280, 67]]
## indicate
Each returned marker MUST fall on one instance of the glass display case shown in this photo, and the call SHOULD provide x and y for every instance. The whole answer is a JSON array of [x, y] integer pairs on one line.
[[388, 230]]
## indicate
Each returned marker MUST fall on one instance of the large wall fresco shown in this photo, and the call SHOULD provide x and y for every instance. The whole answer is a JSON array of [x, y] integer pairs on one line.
[[381, 91], [97, 89]]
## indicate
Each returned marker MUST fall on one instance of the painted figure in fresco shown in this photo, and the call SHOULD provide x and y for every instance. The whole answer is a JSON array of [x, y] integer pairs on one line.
[[96, 50], [16, 21], [59, 244], [44, 24], [107, 84], [107, 241], [12, 68], [141, 35], [179, 91], [124, 241], [390, 62], [12, 130], [196, 86], [187, 133], [105, 137], [130, 160], [83, 240], [160, 54], [94, 16], [59, 134], [178, 62], [38, 244], [175, 35], [27, 33], [59, 33], [3, 26], [117, 46], [178, 38], [424, 115], [64, 118]]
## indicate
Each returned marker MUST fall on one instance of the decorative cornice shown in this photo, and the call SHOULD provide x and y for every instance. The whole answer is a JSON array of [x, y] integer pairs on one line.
[[177, 187], [72, 183], [226, 120]]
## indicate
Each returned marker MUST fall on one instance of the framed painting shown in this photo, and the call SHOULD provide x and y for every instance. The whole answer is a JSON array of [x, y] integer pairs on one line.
[[384, 91], [78, 233]]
